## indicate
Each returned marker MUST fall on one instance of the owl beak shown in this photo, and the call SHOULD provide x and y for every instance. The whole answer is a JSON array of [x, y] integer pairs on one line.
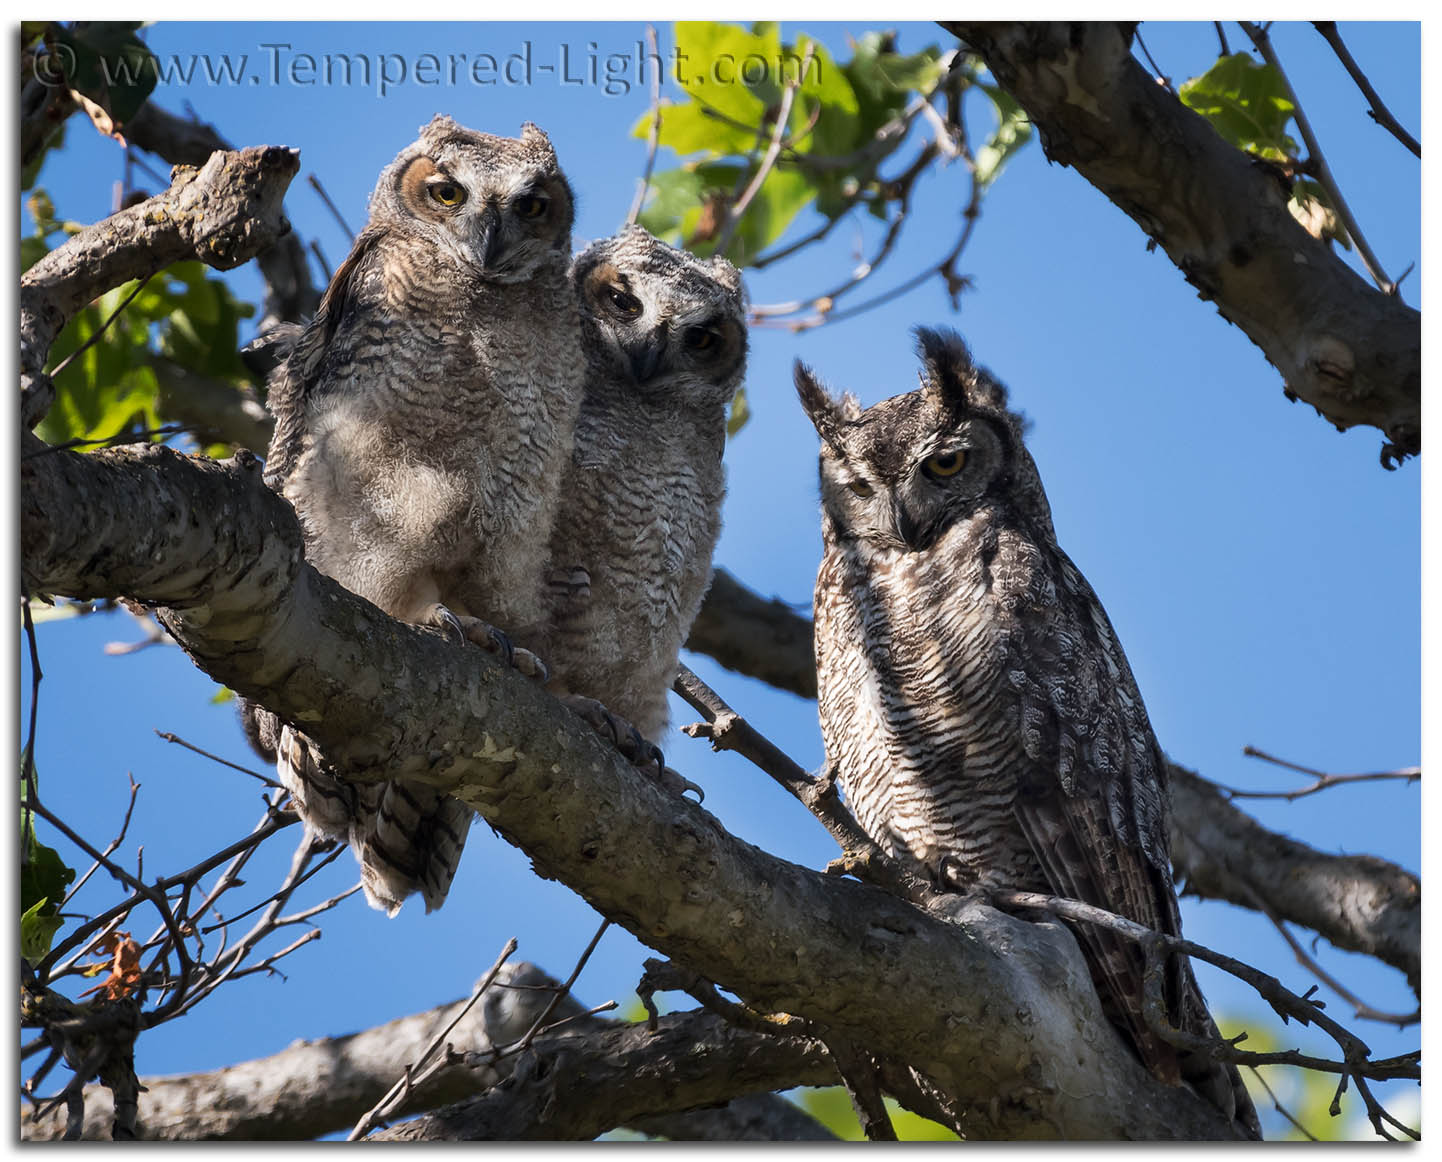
[[488, 240], [644, 358], [912, 534]]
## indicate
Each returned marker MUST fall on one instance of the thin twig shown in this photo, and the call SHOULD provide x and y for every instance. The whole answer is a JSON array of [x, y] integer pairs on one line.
[[525, 1042], [329, 205], [727, 730], [90, 342], [1279, 1107], [1377, 110], [114, 843], [1157, 74], [1322, 780], [1263, 43], [1222, 38], [408, 1081], [768, 160], [1360, 1008], [653, 136], [175, 738]]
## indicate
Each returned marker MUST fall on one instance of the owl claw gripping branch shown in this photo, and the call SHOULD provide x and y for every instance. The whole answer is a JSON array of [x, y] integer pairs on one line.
[[465, 448]]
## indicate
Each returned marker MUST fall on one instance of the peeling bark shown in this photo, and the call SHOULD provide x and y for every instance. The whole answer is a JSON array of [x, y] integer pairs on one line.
[[1351, 351]]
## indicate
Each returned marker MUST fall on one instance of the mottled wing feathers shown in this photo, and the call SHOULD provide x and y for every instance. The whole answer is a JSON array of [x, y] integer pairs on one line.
[[295, 383], [1088, 801]]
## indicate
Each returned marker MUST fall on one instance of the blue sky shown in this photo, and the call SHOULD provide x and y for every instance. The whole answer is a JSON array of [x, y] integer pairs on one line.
[[1261, 570]]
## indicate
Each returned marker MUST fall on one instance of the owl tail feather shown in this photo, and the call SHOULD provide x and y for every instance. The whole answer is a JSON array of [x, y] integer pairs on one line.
[[407, 837], [409, 841]]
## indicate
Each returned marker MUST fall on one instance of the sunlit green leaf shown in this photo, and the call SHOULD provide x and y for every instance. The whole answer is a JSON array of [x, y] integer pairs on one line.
[[1013, 130], [728, 68], [739, 413], [44, 876], [222, 695], [38, 925], [1246, 102], [689, 128], [832, 1108]]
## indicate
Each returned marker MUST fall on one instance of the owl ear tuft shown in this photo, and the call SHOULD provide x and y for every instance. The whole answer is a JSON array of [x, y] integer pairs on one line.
[[947, 369], [826, 413], [726, 274], [534, 136], [440, 126]]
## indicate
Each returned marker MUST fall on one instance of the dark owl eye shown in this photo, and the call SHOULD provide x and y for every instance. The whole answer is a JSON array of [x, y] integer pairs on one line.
[[860, 487], [626, 305], [944, 464], [447, 193], [531, 206], [701, 339]]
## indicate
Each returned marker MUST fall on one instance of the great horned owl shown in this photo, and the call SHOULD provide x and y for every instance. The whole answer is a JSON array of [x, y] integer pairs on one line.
[[423, 421], [975, 703], [665, 340]]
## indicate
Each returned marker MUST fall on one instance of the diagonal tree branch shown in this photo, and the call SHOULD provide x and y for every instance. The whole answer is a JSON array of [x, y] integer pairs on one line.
[[223, 553], [1351, 351]]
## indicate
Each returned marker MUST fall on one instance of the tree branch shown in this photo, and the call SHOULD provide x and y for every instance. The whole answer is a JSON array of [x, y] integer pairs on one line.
[[223, 553], [1347, 349], [224, 213], [316, 1087], [1358, 902]]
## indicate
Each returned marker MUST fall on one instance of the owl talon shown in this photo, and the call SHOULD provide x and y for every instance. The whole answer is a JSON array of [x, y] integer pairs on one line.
[[646, 756], [488, 637]]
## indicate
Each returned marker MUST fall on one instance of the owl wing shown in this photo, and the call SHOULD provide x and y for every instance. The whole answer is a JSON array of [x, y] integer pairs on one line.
[[1092, 799], [301, 378]]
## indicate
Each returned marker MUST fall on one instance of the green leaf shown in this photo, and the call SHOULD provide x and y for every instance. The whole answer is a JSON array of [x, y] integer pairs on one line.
[[38, 925], [728, 68], [739, 413], [111, 67], [44, 877], [1013, 131], [1246, 103], [826, 94], [673, 193], [689, 128], [832, 1108], [222, 695]]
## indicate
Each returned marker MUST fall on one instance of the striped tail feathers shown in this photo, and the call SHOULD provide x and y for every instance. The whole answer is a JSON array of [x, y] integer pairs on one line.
[[408, 837]]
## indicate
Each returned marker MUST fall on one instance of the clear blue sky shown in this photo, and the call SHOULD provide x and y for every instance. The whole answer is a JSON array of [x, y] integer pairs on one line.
[[1261, 569]]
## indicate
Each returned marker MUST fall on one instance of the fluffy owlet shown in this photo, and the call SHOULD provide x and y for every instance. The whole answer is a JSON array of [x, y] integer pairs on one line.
[[665, 343], [975, 702], [423, 422]]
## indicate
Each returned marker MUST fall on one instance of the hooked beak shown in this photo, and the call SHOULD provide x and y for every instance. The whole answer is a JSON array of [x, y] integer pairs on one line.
[[488, 238], [644, 359], [911, 533]]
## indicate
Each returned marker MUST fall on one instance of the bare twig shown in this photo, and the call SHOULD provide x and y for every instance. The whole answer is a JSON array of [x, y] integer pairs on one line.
[[1356, 1065], [1161, 78], [1277, 1105], [727, 730], [653, 136], [1263, 42], [1377, 110], [114, 843], [1222, 38], [423, 1067], [1321, 782], [100, 330], [1361, 1009], [560, 993], [778, 132], [858, 1075], [314, 183], [175, 738]]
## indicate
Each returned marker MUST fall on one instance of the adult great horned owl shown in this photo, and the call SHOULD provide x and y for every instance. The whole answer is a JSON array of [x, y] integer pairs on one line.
[[975, 703], [665, 341], [423, 420]]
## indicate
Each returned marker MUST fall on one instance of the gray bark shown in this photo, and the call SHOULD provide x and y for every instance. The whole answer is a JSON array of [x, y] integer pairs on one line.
[[1023, 1046], [1351, 351], [318, 1087]]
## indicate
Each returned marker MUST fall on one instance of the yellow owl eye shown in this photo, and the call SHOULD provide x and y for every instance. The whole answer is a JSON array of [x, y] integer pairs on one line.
[[860, 487], [447, 193], [531, 206], [700, 339], [944, 464]]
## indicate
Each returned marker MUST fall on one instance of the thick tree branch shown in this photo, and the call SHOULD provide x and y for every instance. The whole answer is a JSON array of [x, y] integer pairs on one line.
[[223, 553], [223, 213], [1358, 902], [1347, 349], [763, 639], [316, 1087]]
